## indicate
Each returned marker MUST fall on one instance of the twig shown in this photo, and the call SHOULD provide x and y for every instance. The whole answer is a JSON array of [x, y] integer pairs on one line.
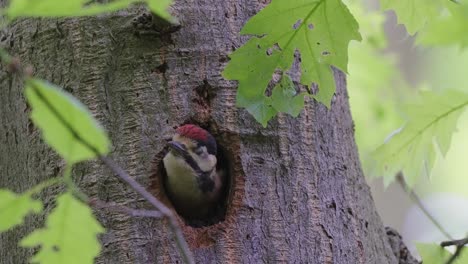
[[460, 243], [456, 242], [119, 172], [420, 204], [455, 255], [98, 204], [179, 237]]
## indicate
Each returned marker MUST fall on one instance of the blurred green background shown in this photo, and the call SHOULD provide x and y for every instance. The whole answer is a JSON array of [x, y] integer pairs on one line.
[[386, 70]]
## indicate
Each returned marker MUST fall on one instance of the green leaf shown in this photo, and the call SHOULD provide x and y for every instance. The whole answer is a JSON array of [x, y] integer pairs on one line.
[[60, 8], [435, 254], [69, 236], [160, 7], [373, 94], [260, 107], [432, 253], [431, 123], [414, 14], [370, 24], [462, 258], [56, 112], [448, 30], [373, 84], [319, 29], [284, 98], [13, 208]]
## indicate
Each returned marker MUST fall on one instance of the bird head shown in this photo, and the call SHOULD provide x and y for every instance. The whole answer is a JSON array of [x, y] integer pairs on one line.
[[195, 147]]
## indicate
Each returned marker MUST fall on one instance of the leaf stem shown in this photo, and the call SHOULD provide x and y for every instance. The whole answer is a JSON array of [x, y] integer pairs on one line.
[[44, 184], [71, 185]]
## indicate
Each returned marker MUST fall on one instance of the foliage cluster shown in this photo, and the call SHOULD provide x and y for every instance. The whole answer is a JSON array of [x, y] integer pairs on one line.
[[314, 33]]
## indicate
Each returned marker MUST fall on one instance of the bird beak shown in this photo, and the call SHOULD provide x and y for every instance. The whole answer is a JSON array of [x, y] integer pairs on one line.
[[177, 147]]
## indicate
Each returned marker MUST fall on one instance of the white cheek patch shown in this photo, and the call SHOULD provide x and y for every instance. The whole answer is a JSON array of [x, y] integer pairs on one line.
[[206, 163], [204, 155]]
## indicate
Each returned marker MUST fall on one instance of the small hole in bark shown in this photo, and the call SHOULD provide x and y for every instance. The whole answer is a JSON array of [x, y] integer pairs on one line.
[[162, 68], [218, 213], [204, 93], [30, 127], [223, 58], [56, 171]]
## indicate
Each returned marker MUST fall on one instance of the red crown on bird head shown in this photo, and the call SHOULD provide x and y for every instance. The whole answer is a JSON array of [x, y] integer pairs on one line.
[[200, 135]]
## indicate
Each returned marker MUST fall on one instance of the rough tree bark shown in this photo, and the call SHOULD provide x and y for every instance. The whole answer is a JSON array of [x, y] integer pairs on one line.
[[298, 194]]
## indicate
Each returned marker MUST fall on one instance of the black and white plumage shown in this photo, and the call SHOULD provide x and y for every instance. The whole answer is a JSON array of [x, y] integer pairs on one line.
[[193, 183]]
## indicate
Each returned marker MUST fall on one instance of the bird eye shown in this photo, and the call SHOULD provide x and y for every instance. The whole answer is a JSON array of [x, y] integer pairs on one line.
[[199, 151]]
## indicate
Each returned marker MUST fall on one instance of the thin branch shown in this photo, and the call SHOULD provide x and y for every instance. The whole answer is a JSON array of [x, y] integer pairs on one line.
[[119, 172], [460, 243], [420, 204], [98, 204], [455, 255], [456, 242], [179, 237]]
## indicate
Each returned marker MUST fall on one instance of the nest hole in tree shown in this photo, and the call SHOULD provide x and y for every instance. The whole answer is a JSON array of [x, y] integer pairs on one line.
[[224, 162]]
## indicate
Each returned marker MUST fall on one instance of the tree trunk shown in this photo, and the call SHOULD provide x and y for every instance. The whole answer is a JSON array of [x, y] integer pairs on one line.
[[298, 194]]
